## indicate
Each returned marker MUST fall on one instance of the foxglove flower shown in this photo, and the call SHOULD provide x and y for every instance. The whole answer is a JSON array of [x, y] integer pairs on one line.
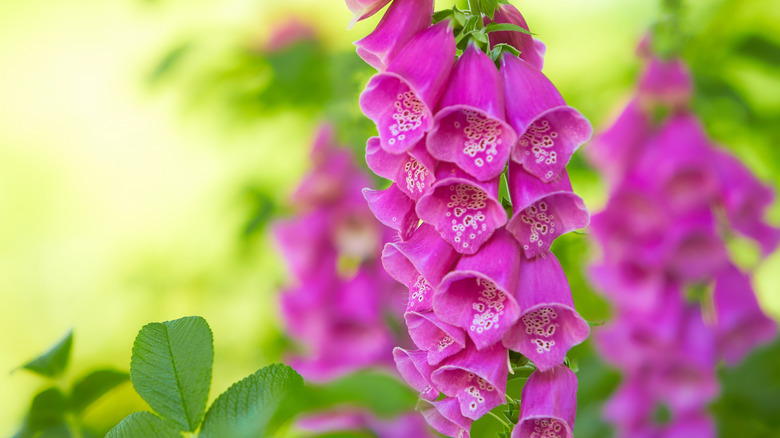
[[469, 129], [413, 172], [549, 404], [416, 371], [445, 417], [393, 208], [531, 50], [439, 339], [549, 326], [401, 100], [403, 20], [741, 324], [465, 212], [666, 81], [476, 377], [362, 9], [542, 212], [549, 130], [478, 295]]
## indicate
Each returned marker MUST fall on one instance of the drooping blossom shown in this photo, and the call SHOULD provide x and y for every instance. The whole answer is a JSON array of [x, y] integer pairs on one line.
[[681, 306], [479, 283]]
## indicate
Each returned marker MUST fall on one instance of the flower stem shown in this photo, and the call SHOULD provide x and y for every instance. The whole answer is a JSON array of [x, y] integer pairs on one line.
[[500, 420]]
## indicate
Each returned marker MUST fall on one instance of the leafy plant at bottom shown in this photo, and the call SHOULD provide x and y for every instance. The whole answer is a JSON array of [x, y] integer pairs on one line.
[[171, 370]]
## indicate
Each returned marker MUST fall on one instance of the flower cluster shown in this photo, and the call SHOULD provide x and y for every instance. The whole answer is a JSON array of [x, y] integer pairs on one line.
[[336, 307], [681, 304], [480, 283]]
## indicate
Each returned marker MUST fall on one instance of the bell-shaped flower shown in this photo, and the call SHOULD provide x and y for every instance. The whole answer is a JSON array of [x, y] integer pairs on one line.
[[549, 131], [445, 417], [469, 129], [542, 211], [439, 339], [549, 404], [362, 9], [666, 82], [549, 326], [678, 163], [403, 20], [476, 377], [465, 212], [746, 201], [615, 150], [419, 263], [478, 295], [400, 100], [531, 49], [695, 252], [416, 371], [413, 172], [741, 324], [631, 282], [393, 208]]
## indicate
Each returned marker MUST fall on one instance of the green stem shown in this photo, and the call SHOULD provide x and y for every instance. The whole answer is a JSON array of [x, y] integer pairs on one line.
[[510, 399], [500, 420]]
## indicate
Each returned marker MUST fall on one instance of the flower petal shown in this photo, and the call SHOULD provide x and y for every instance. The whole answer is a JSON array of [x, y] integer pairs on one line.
[[403, 20], [549, 404], [531, 49], [445, 417], [413, 171], [393, 208], [415, 370], [438, 338]]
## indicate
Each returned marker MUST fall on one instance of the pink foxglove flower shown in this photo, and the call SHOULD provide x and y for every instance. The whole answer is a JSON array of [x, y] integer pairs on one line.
[[393, 208], [548, 326], [478, 295], [401, 100], [414, 172], [476, 377], [403, 20], [741, 325], [439, 339], [416, 371], [542, 211], [549, 404], [469, 129], [531, 50], [549, 131], [464, 211], [362, 9], [445, 417]]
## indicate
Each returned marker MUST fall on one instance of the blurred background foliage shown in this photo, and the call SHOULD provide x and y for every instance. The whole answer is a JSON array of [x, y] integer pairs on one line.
[[146, 144]]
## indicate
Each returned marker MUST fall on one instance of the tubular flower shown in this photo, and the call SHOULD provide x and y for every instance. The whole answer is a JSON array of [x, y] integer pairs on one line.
[[449, 120], [549, 405], [681, 305]]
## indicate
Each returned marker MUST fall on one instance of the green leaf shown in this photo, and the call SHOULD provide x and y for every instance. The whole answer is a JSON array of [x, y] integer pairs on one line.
[[53, 362], [142, 425], [92, 386], [47, 410], [441, 15], [171, 369], [247, 408], [489, 7], [500, 27]]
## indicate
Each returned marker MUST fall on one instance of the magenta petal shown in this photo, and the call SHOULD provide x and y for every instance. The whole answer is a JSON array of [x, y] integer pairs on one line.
[[666, 81], [445, 417], [531, 50], [697, 252], [400, 101], [424, 254], [613, 151], [549, 325], [403, 20], [415, 370], [746, 201], [362, 9], [693, 425], [549, 131], [303, 242], [542, 212], [631, 405], [741, 324], [465, 212], [469, 130], [393, 208], [476, 377], [478, 295], [413, 171], [438, 338], [549, 404]]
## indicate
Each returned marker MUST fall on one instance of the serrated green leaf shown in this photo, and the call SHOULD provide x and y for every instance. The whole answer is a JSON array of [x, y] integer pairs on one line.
[[47, 410], [92, 386], [142, 425], [171, 369], [53, 362], [248, 406], [500, 27]]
